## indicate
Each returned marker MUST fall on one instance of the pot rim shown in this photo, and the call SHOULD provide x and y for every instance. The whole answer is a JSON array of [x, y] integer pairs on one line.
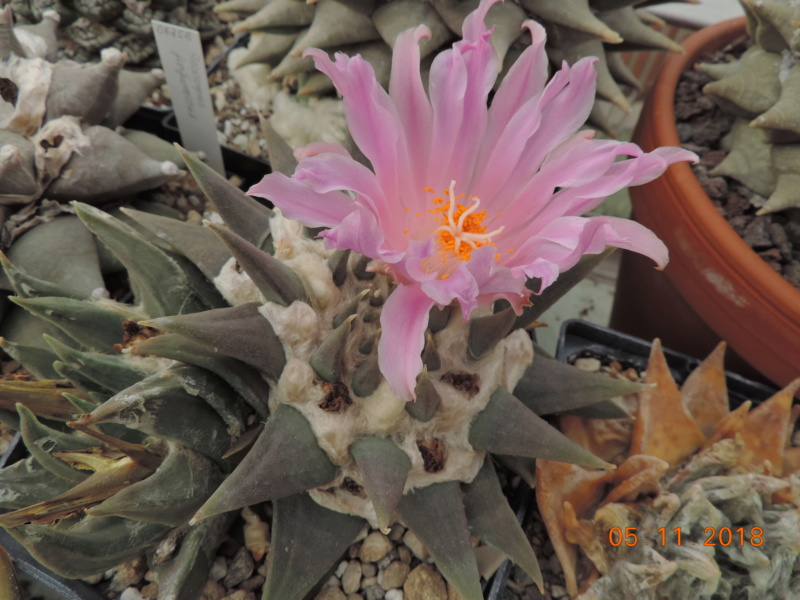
[[701, 210]]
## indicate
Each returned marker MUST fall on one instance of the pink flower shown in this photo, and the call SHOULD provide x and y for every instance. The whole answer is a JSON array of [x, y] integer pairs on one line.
[[465, 203]]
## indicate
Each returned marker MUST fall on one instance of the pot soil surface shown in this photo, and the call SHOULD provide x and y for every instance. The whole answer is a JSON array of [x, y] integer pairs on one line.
[[702, 127]]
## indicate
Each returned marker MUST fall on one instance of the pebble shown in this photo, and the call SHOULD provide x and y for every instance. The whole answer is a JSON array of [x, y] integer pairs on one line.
[[404, 554], [355, 597], [375, 547], [394, 595], [557, 591], [128, 574], [397, 532], [131, 593], [423, 583], [341, 569], [213, 591], [351, 577], [330, 593], [394, 576], [252, 584], [218, 568], [374, 592], [240, 568], [415, 545], [150, 591], [369, 581], [369, 570]]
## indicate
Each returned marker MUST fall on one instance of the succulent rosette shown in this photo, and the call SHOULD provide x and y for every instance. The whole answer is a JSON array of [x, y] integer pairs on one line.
[[465, 202]]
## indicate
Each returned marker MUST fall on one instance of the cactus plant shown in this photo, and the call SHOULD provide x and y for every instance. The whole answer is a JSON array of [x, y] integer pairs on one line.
[[84, 29], [281, 30], [764, 149], [380, 401], [709, 493]]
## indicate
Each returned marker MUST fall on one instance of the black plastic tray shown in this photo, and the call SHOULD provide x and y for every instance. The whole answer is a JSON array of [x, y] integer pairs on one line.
[[581, 337]]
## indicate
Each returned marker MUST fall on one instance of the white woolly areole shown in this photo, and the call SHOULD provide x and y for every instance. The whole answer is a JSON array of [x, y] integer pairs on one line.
[[32, 77], [235, 285], [298, 326]]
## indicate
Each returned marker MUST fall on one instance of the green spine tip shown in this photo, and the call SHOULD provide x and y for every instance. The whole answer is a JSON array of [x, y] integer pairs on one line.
[[338, 266], [239, 332], [327, 358], [287, 439], [548, 386], [507, 426], [430, 355], [367, 376], [384, 468], [486, 332], [307, 540], [245, 216], [277, 282], [435, 514], [492, 521], [427, 400]]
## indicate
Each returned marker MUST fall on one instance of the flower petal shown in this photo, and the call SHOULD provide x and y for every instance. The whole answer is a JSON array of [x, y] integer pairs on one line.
[[460, 82], [412, 104], [404, 318], [566, 102], [371, 118], [298, 201]]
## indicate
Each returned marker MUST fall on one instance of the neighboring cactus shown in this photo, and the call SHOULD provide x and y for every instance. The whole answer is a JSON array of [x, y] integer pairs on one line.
[[86, 28], [687, 463], [762, 89], [282, 29]]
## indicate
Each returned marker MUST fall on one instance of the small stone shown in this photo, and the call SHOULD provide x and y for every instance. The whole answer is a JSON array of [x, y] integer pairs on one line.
[[394, 576], [131, 593], [415, 545], [334, 581], [374, 547], [355, 597], [213, 591], [251, 584], [397, 532], [423, 583], [588, 364], [128, 574], [374, 592], [150, 591], [557, 591], [240, 568], [404, 554], [368, 570], [351, 577], [240, 595], [341, 569], [394, 595], [388, 559], [330, 593], [218, 568], [369, 581], [756, 235]]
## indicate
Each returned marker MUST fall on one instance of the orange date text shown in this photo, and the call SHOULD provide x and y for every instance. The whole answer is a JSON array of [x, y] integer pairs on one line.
[[712, 536]]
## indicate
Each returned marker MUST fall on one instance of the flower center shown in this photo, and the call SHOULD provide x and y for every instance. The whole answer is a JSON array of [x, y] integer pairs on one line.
[[461, 228]]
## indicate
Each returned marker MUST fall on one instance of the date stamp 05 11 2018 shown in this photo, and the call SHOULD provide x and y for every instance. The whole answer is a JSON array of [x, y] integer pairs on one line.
[[722, 536]]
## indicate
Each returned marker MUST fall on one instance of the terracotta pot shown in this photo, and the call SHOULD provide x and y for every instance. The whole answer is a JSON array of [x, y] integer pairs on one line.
[[711, 272]]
